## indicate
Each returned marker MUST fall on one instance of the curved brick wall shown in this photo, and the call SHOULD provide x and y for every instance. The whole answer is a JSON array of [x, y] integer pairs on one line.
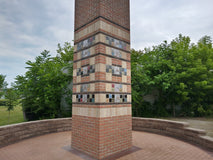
[[174, 129], [17, 132]]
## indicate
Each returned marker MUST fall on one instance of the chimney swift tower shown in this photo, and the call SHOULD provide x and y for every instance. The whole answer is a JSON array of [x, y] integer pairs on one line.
[[101, 113]]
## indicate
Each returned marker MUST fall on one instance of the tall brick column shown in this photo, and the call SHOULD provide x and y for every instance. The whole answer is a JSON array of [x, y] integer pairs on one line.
[[101, 114]]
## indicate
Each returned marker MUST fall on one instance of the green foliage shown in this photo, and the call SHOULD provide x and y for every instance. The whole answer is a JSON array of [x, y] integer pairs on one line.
[[178, 76], [3, 84], [2, 77], [180, 72], [45, 83], [201, 111], [3, 102], [12, 100]]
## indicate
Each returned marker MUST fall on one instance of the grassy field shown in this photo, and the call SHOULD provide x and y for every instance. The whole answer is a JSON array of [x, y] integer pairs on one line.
[[16, 116]]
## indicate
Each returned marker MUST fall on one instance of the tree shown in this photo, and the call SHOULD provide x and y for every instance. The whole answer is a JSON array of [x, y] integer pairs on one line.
[[45, 83], [3, 84], [181, 74], [12, 100]]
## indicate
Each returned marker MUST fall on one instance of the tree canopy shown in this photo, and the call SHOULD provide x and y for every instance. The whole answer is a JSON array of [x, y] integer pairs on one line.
[[180, 74], [3, 84], [46, 83], [171, 79]]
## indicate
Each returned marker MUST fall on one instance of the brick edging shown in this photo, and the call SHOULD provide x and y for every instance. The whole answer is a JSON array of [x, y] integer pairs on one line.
[[16, 132]]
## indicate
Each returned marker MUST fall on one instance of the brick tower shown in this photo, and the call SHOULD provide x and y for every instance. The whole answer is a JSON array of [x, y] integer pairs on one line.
[[101, 114]]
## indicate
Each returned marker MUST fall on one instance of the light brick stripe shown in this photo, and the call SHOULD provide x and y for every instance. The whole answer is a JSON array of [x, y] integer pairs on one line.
[[101, 112], [101, 25]]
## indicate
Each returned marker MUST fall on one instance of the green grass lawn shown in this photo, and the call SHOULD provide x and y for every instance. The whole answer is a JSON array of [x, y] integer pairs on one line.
[[16, 116]]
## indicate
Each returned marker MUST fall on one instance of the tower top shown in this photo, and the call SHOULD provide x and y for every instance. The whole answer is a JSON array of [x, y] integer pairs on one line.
[[115, 11]]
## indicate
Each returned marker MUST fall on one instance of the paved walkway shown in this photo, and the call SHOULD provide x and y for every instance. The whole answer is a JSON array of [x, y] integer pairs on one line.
[[56, 146]]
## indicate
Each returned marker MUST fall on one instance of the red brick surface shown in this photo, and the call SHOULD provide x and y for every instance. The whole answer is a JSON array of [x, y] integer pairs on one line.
[[100, 59], [57, 147], [115, 135], [100, 48], [85, 134], [85, 11], [116, 11], [101, 137], [17, 132], [100, 87]]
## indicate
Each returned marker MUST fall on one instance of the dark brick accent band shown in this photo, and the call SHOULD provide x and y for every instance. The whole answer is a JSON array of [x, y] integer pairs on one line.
[[101, 81], [101, 93], [102, 103], [103, 55]]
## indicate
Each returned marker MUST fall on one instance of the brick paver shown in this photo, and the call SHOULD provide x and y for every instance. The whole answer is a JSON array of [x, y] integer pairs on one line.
[[55, 147]]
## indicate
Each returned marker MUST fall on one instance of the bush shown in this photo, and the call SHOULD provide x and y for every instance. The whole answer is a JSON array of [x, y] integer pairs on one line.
[[45, 83]]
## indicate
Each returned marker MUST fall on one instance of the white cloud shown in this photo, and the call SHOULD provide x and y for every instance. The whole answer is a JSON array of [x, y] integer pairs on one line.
[[161, 20], [27, 27]]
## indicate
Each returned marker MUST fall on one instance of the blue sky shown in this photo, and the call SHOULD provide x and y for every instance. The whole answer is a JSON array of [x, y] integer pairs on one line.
[[27, 27]]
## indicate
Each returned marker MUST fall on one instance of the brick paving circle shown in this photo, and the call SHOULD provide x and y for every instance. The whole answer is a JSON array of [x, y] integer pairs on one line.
[[56, 147]]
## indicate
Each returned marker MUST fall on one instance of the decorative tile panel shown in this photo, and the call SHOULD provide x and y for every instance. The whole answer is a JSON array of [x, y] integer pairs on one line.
[[85, 88], [116, 53], [117, 87], [86, 43], [116, 43], [116, 98], [116, 70], [86, 98], [85, 53], [86, 70]]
